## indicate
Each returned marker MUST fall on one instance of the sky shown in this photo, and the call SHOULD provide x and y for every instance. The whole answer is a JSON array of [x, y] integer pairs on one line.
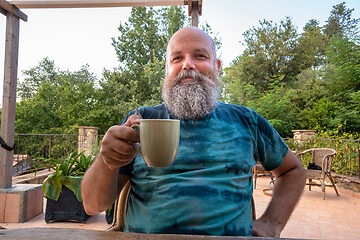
[[73, 38]]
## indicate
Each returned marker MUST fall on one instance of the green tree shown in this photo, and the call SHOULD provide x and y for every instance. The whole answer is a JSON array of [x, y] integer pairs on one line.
[[271, 47], [54, 101], [342, 75], [344, 56], [310, 52], [340, 23], [272, 56], [282, 113]]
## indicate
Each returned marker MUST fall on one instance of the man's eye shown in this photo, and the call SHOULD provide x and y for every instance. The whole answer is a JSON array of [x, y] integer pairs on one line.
[[201, 56], [176, 59]]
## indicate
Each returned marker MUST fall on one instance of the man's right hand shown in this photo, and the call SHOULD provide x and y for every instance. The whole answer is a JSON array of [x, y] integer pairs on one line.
[[116, 150]]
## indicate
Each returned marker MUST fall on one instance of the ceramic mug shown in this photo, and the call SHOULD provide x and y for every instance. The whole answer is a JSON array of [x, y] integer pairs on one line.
[[159, 141]]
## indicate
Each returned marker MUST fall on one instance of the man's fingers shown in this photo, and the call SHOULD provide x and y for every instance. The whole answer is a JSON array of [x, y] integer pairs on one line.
[[116, 149], [122, 132], [133, 119]]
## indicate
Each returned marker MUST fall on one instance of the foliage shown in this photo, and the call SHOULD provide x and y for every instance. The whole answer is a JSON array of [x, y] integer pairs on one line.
[[307, 81], [54, 101], [347, 151], [270, 49], [282, 112], [68, 172], [310, 51], [340, 23], [344, 55]]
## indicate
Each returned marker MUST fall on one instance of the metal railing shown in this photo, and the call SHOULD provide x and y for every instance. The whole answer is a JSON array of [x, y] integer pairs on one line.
[[29, 147], [347, 159]]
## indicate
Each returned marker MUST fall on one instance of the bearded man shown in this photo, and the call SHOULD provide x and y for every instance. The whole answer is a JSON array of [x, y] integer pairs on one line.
[[208, 188]]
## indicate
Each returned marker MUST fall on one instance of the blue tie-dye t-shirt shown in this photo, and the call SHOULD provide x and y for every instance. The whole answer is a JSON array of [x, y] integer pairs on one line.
[[208, 188]]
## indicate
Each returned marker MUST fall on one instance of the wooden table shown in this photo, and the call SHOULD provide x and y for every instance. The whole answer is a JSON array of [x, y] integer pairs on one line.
[[79, 234]]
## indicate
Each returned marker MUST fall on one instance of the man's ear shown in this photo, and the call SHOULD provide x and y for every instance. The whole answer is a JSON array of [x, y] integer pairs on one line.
[[218, 64]]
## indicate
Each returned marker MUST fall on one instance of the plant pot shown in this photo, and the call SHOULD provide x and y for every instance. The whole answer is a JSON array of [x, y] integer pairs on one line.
[[66, 209]]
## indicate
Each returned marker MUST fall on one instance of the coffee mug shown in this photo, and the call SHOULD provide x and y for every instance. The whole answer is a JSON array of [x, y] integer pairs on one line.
[[159, 141]]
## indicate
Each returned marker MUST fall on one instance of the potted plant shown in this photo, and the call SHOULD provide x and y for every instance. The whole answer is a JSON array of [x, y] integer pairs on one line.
[[62, 189]]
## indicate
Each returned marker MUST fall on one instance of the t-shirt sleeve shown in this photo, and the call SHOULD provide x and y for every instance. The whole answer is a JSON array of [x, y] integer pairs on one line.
[[270, 148]]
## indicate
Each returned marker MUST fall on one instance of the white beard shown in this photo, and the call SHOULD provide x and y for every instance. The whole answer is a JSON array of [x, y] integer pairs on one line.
[[191, 100]]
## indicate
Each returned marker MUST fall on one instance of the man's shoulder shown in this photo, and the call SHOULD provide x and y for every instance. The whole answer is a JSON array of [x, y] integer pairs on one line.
[[235, 109], [154, 112]]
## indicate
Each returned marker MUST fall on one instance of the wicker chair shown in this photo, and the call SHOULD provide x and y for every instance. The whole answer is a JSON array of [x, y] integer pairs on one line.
[[321, 157], [118, 223], [259, 171]]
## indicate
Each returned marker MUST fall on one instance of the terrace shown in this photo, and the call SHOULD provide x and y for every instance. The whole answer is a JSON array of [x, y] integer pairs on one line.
[[314, 218]]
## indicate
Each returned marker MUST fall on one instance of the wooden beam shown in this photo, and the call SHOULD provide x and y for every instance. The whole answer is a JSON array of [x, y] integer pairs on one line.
[[195, 15], [190, 3], [194, 12], [7, 7], [9, 98], [3, 11], [93, 3]]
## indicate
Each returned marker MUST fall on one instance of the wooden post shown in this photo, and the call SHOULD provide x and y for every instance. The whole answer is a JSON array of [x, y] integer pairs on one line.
[[195, 14], [194, 7], [9, 98]]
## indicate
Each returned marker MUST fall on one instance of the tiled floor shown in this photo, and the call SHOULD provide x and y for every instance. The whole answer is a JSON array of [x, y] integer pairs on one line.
[[337, 217]]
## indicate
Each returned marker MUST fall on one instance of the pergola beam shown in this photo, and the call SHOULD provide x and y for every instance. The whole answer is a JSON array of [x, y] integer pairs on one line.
[[94, 3], [7, 7]]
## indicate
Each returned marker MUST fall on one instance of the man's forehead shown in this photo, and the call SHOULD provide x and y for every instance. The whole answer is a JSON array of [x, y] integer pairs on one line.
[[179, 50]]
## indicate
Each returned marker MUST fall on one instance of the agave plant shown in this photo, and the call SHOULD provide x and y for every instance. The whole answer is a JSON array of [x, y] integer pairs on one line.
[[68, 172]]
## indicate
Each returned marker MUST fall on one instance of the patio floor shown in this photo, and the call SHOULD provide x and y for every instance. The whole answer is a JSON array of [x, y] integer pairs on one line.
[[337, 217]]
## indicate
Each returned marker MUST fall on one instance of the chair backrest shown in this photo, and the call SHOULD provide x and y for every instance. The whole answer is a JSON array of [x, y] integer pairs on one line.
[[323, 157]]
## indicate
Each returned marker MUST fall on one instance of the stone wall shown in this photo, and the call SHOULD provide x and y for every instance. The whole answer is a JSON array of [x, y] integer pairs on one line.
[[347, 182], [87, 138], [303, 135]]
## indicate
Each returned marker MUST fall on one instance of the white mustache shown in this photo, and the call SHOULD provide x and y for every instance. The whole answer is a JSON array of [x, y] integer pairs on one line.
[[192, 74]]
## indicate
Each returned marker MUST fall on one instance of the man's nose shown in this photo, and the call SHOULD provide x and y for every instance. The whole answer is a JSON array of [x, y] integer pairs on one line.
[[188, 64]]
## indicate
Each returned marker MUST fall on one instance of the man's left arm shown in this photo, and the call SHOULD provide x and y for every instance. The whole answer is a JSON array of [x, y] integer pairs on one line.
[[290, 182]]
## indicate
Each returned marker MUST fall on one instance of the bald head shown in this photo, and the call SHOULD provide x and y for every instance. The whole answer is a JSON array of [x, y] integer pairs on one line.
[[187, 35]]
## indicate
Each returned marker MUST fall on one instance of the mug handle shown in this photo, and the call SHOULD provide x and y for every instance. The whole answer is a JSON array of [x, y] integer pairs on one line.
[[133, 143]]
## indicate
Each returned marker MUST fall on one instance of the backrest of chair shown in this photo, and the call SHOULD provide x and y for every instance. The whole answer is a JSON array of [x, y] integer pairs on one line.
[[119, 219], [318, 155]]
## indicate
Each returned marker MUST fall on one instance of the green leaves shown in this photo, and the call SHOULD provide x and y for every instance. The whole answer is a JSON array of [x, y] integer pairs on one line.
[[340, 23], [73, 165], [68, 172], [52, 100], [305, 81], [52, 186], [270, 48]]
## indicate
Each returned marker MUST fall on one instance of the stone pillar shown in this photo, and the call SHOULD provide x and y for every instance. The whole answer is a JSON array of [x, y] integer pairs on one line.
[[87, 138], [302, 135]]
